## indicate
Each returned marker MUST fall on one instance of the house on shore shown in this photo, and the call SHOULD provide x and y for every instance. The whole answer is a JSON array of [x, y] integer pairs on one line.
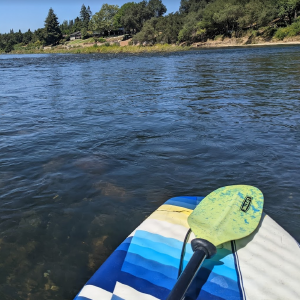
[[115, 32], [120, 31], [75, 36]]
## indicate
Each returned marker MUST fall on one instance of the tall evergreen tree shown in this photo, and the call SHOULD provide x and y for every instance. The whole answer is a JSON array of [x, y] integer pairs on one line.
[[89, 12], [27, 37], [83, 13], [52, 30], [77, 25], [85, 16], [19, 37]]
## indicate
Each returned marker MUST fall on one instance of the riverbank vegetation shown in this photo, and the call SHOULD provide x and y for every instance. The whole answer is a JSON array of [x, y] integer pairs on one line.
[[196, 22], [107, 48]]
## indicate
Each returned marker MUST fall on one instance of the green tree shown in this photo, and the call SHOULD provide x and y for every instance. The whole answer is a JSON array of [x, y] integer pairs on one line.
[[52, 30], [191, 31], [137, 16], [289, 9], [19, 37], [219, 17], [160, 30], [85, 16], [258, 13], [2, 45], [104, 19], [64, 27], [187, 6], [5, 39], [9, 47], [77, 25], [226, 15], [148, 34], [169, 28], [124, 9], [39, 35], [27, 37], [139, 13], [157, 8], [132, 19], [84, 33]]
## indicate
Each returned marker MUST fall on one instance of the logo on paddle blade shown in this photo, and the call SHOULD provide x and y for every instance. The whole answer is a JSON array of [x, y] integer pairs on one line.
[[246, 204]]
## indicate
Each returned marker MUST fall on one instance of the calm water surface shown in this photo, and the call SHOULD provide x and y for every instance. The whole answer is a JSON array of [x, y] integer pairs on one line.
[[90, 145]]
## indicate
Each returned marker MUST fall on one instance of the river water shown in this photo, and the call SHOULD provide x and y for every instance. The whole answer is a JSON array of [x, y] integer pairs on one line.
[[90, 145]]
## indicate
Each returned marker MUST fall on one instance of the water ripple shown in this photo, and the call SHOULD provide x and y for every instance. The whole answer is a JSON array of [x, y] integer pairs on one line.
[[92, 142]]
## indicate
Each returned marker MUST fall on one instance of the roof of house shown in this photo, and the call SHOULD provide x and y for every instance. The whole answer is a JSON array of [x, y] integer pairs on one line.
[[75, 33]]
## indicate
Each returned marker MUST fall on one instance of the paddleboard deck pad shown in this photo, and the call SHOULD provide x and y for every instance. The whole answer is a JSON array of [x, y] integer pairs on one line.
[[264, 265]]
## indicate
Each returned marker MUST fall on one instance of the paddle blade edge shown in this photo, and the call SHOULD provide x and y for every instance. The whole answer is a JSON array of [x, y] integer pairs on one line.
[[228, 213]]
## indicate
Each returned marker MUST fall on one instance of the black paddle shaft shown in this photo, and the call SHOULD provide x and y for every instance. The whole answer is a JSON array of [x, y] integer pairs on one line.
[[202, 249]]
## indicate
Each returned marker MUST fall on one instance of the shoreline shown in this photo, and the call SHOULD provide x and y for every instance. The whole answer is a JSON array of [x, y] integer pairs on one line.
[[158, 48]]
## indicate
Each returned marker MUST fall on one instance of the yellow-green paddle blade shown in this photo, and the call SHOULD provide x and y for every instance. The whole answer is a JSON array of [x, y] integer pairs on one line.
[[228, 213]]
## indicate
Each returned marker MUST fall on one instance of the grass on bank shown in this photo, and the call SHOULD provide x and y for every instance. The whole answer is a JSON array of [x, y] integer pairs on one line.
[[106, 49]]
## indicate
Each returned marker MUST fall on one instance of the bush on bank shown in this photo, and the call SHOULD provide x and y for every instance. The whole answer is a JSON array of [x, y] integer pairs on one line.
[[289, 31]]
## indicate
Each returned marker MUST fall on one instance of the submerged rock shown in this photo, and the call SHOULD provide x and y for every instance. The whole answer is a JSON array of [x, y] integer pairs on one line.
[[102, 220], [53, 165], [32, 221], [92, 164], [108, 189], [98, 253]]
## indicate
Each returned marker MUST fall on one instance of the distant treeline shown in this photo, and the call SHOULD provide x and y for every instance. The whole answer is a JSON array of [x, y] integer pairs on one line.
[[196, 21]]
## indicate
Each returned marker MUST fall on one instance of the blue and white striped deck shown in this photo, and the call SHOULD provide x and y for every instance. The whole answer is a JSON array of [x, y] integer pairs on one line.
[[145, 265], [264, 265]]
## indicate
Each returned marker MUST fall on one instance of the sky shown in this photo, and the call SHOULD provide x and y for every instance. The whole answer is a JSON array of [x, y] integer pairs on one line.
[[24, 15]]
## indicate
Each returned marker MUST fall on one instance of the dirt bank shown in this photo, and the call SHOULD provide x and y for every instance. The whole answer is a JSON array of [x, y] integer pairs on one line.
[[246, 41]]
